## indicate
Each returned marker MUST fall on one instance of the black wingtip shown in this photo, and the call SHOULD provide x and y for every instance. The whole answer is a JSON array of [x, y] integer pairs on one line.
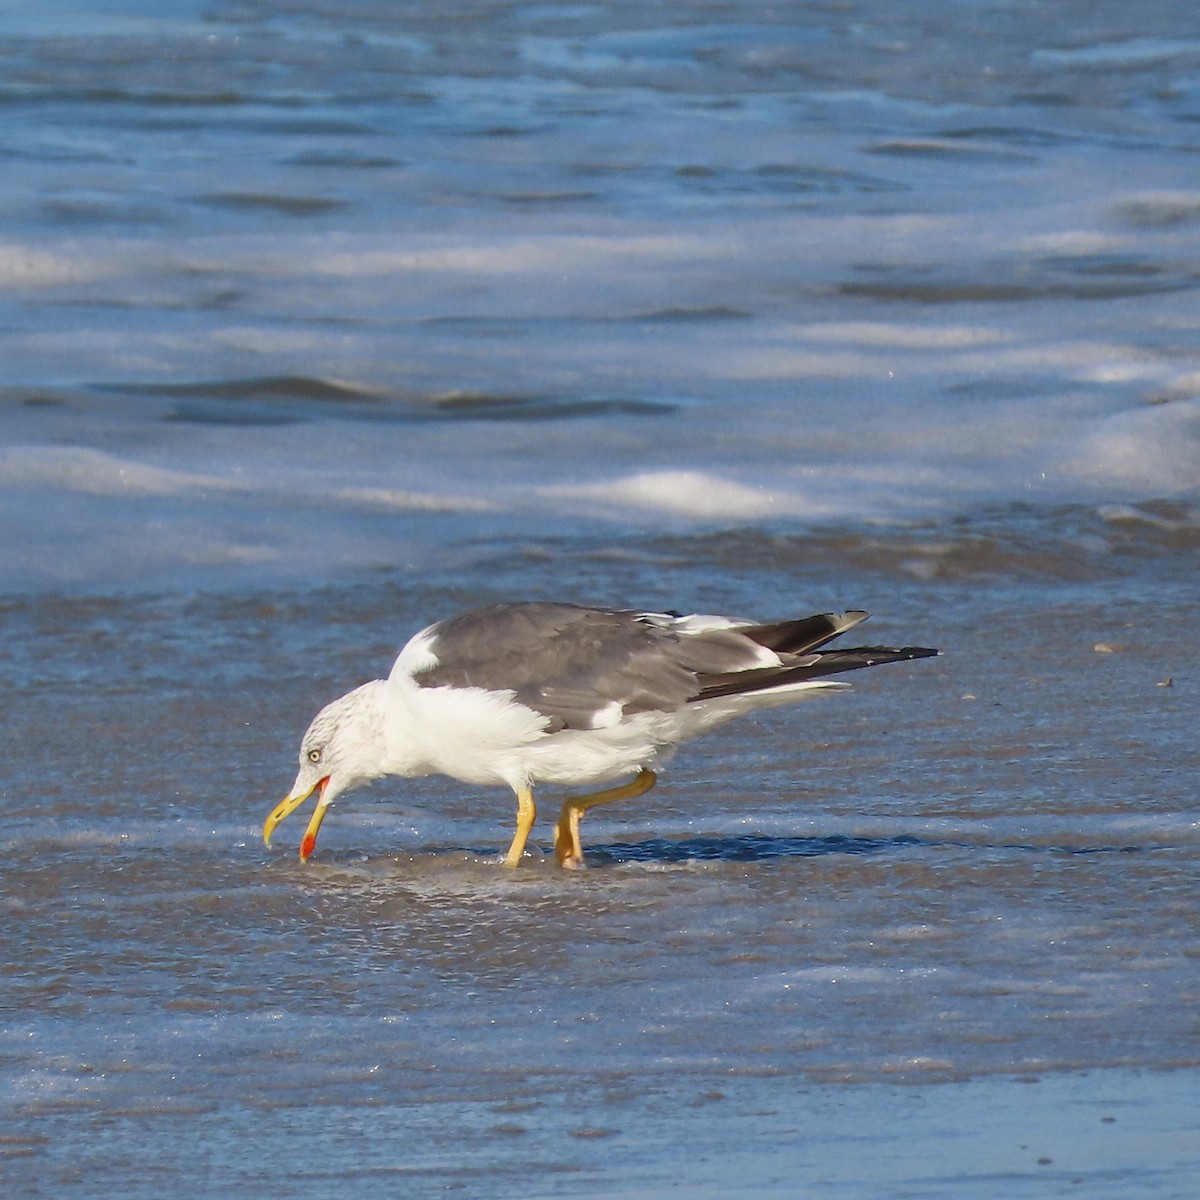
[[872, 656], [817, 664], [919, 651], [805, 634]]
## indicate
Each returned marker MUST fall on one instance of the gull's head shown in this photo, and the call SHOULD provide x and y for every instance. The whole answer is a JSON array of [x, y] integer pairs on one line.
[[341, 750]]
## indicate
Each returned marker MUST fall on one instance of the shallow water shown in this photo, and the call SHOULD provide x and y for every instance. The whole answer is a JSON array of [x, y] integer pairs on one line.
[[971, 868], [320, 323]]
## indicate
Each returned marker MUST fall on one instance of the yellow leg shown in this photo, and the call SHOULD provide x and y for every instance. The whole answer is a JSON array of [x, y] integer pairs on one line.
[[526, 815], [567, 846]]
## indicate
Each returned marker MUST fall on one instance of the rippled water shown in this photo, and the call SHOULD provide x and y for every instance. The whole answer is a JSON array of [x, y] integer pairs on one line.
[[320, 322], [289, 293], [976, 867]]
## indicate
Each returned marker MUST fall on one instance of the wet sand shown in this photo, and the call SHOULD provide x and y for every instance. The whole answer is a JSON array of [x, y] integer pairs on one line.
[[831, 953]]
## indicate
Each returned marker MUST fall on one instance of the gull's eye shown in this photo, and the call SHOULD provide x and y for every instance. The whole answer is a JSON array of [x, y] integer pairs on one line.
[[314, 756]]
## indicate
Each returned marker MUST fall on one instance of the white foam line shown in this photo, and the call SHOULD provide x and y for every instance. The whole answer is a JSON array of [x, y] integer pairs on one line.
[[902, 336], [82, 469], [553, 253], [92, 472], [397, 499], [685, 493], [25, 266]]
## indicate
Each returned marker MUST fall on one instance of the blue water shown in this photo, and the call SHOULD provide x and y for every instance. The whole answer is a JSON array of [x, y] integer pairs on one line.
[[291, 294], [321, 321]]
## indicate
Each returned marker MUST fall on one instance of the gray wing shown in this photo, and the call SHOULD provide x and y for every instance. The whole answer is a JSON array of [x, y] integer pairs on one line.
[[570, 663]]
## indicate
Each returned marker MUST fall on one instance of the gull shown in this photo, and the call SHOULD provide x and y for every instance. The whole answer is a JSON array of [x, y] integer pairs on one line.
[[522, 694]]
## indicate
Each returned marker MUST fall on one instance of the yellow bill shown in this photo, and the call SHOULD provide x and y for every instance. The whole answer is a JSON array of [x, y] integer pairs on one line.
[[288, 805]]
